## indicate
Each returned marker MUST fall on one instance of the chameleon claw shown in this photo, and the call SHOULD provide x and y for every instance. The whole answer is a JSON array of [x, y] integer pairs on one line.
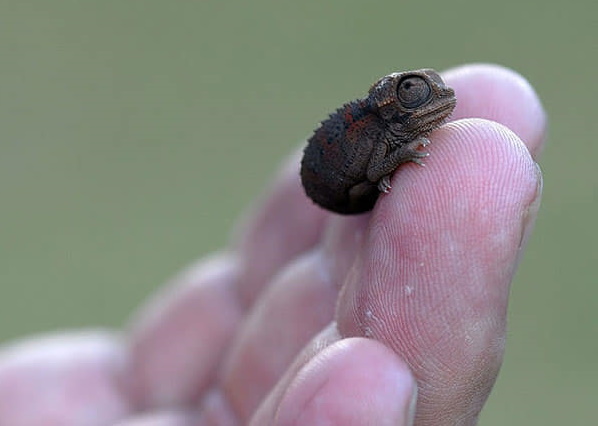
[[384, 184], [418, 161], [418, 156]]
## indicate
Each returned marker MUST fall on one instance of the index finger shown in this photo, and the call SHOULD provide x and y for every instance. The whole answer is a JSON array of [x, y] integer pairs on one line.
[[439, 252]]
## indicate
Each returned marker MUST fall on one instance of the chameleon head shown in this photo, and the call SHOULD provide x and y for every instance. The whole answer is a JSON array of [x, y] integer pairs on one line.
[[418, 101]]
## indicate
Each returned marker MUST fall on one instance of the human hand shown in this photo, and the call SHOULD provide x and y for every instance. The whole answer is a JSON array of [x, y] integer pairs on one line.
[[312, 318]]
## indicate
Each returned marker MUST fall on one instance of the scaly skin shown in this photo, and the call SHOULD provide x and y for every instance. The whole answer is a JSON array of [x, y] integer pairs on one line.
[[351, 156]]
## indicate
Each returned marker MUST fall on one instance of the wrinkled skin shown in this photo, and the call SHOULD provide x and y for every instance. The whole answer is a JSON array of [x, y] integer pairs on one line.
[[311, 318]]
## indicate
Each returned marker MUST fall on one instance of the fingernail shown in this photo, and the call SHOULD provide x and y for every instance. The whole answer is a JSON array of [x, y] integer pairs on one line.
[[410, 412], [532, 210]]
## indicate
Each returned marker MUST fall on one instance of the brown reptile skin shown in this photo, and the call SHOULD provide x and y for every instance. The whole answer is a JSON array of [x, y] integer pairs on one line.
[[351, 156]]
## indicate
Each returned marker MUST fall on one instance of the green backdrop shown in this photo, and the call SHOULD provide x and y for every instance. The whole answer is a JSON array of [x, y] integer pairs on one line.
[[133, 133]]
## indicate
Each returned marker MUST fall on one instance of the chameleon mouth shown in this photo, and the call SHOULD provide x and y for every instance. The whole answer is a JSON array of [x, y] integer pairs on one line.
[[433, 118]]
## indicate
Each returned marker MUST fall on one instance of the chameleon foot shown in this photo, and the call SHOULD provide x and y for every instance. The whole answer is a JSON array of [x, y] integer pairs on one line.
[[417, 156]]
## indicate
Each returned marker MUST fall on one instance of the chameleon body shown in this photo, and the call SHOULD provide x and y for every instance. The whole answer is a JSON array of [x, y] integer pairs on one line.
[[350, 158]]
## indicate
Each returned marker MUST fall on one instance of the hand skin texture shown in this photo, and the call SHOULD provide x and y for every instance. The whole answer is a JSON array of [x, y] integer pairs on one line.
[[394, 317]]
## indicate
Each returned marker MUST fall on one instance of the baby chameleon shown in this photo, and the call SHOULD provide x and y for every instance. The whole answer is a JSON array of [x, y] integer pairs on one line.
[[351, 156]]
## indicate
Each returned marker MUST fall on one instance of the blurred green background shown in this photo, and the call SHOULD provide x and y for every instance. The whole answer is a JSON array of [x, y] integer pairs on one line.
[[133, 133]]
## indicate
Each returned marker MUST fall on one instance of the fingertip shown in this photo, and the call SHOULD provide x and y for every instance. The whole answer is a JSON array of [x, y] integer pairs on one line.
[[476, 166], [67, 378], [282, 224], [353, 381], [499, 94], [177, 338]]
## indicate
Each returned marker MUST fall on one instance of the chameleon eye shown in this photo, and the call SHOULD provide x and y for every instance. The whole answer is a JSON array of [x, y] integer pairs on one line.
[[413, 92]]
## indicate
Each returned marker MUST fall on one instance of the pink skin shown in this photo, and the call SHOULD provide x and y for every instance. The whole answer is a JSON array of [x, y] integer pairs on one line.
[[311, 318]]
